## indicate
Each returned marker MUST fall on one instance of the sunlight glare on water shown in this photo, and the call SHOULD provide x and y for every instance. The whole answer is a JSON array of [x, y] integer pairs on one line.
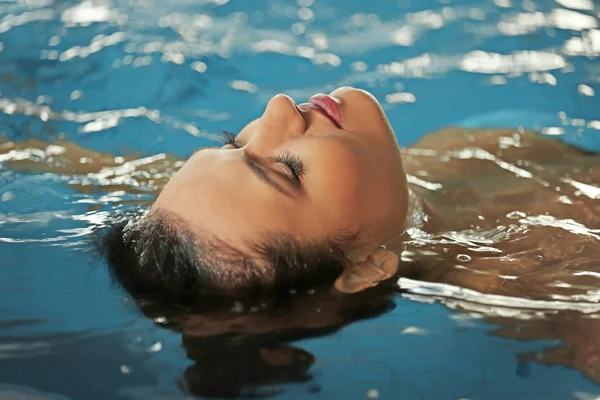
[[102, 100]]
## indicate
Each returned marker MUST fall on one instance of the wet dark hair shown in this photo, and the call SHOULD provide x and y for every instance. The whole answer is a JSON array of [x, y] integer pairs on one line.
[[233, 365], [191, 284], [157, 254]]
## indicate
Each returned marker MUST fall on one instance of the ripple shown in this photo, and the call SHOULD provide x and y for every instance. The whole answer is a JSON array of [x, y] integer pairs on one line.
[[123, 74], [526, 23], [568, 225], [87, 12], [11, 21], [587, 5], [518, 62], [99, 120], [513, 305]]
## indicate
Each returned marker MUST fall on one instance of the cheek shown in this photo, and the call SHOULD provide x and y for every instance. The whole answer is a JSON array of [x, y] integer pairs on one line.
[[339, 191], [360, 188]]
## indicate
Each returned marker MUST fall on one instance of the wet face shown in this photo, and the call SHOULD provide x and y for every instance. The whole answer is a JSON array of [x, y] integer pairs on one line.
[[299, 172]]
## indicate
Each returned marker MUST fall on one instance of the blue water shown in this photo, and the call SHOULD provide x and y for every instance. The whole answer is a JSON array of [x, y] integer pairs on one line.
[[125, 76]]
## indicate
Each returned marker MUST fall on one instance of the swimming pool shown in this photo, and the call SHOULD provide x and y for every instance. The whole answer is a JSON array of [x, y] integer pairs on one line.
[[152, 77]]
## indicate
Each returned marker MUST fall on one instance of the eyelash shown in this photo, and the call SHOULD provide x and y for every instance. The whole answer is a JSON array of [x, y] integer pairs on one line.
[[291, 161], [228, 138]]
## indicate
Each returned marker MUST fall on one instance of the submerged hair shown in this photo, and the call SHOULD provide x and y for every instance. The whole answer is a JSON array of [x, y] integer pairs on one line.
[[157, 254]]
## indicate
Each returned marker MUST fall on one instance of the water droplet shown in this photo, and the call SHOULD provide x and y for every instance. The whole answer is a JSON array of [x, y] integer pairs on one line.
[[463, 258]]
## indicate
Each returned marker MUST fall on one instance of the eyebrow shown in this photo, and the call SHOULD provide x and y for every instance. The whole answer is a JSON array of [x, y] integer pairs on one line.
[[258, 170]]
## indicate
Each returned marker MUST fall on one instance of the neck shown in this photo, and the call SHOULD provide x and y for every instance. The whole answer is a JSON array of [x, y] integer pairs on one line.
[[415, 220]]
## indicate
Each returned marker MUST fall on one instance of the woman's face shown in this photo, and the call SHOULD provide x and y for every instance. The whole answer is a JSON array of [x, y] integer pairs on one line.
[[299, 172]]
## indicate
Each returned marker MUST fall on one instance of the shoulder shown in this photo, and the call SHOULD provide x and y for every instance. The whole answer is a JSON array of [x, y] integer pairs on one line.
[[505, 143]]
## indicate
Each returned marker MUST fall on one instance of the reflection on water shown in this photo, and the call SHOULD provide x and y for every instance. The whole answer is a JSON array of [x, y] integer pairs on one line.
[[244, 350], [101, 100], [504, 234], [574, 333]]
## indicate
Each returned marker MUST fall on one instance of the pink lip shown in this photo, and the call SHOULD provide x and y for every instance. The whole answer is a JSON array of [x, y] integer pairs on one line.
[[328, 106]]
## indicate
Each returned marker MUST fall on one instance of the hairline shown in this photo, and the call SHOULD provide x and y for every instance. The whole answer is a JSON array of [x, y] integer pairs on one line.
[[220, 255], [255, 266]]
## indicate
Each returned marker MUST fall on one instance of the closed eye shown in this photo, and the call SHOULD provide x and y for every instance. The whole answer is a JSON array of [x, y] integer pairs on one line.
[[293, 163]]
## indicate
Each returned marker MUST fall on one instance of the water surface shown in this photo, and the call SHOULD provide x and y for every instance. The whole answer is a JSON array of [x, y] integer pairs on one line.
[[140, 79]]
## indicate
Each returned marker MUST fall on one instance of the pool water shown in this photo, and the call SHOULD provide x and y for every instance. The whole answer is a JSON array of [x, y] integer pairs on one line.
[[148, 77]]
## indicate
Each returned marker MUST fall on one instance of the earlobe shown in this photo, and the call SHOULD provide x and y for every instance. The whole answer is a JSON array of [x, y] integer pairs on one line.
[[379, 266]]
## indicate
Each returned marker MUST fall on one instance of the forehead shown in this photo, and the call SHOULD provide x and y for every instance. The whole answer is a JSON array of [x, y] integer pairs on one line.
[[215, 192]]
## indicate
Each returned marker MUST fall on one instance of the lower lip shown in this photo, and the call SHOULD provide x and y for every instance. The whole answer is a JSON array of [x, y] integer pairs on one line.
[[328, 106]]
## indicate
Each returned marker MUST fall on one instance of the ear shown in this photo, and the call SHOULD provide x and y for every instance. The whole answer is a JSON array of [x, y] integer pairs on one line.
[[379, 266]]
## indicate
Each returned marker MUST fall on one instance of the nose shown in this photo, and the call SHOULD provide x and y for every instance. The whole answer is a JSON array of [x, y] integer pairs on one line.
[[281, 121]]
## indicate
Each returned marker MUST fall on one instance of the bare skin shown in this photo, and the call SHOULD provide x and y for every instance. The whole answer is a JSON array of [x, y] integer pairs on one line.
[[468, 192], [477, 194], [544, 213], [352, 182]]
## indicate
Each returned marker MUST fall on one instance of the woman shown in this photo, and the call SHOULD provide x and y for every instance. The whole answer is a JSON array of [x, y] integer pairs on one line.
[[317, 193], [303, 195], [314, 193]]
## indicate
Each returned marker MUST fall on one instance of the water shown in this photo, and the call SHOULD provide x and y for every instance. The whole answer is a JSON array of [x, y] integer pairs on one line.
[[146, 78]]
